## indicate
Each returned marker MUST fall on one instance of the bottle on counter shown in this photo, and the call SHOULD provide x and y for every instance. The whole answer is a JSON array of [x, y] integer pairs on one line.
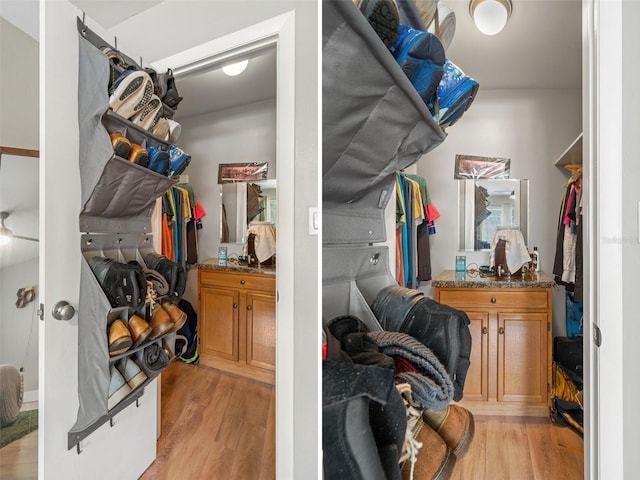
[[535, 259]]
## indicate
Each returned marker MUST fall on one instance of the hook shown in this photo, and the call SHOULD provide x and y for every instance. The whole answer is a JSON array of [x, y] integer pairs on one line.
[[140, 62], [84, 25], [111, 421], [78, 447], [115, 43]]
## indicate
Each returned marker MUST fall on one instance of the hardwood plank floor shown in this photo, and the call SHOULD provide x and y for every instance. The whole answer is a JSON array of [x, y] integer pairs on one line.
[[521, 448], [218, 426], [214, 426]]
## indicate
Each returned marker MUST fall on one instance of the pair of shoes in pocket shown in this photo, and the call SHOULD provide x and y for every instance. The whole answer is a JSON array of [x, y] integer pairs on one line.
[[125, 377], [124, 148], [123, 337]]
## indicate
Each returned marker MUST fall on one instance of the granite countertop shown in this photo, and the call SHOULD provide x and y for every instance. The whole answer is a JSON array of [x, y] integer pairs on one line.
[[212, 264], [453, 279]]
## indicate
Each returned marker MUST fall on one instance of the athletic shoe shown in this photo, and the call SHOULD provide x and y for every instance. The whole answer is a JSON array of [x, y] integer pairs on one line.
[[179, 160], [131, 92], [174, 130], [161, 129], [118, 388], [149, 115], [131, 372], [383, 16], [158, 160]]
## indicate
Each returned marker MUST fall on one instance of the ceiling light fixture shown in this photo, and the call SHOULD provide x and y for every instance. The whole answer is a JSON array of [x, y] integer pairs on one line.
[[5, 233], [234, 69], [490, 16]]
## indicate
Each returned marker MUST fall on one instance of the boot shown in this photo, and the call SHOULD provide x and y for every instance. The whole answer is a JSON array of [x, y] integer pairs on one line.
[[119, 338], [454, 424], [433, 461]]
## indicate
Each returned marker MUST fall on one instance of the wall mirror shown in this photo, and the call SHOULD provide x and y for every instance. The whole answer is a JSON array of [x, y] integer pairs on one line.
[[486, 204], [238, 209]]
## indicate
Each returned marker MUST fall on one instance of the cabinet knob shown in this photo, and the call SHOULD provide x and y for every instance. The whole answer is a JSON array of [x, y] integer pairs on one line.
[[235, 305], [501, 330], [242, 282], [485, 330], [248, 307], [493, 299]]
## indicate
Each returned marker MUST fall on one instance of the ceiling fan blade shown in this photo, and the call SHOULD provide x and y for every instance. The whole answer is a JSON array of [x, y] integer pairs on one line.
[[26, 238]]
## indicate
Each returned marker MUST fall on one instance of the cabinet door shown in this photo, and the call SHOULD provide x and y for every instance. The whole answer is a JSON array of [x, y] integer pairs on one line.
[[219, 323], [261, 330], [477, 380], [522, 357]]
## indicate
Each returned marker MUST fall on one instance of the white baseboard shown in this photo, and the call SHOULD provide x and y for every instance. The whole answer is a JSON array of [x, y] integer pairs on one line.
[[30, 396]]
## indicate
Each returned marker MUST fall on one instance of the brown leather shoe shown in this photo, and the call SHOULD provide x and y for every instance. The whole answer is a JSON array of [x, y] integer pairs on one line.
[[434, 460], [455, 425], [139, 329], [178, 317], [139, 155], [160, 323], [121, 144], [119, 338]]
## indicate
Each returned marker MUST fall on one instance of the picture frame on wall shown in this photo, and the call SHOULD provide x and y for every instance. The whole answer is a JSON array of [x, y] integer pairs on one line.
[[242, 172], [468, 167]]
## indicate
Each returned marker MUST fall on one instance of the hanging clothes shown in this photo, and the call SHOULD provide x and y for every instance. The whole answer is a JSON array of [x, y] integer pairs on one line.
[[567, 266], [415, 216], [182, 218]]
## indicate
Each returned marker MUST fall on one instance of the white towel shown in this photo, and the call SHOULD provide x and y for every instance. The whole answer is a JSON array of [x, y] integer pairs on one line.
[[515, 249], [264, 241]]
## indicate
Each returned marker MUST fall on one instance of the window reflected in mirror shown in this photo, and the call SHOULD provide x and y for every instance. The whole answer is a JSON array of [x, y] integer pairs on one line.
[[488, 204]]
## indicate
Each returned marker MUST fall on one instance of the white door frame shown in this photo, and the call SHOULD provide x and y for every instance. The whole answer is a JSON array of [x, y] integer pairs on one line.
[[279, 31]]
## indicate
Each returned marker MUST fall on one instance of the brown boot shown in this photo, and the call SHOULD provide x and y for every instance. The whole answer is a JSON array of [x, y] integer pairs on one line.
[[121, 144], [139, 329], [119, 338], [160, 322], [454, 424], [178, 317], [433, 461]]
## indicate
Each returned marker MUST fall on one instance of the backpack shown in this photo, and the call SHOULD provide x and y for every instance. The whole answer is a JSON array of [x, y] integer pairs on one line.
[[442, 329], [456, 93], [173, 273], [421, 57], [186, 346]]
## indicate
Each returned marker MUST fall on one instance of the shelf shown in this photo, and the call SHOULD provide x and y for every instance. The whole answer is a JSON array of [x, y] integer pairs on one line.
[[572, 157]]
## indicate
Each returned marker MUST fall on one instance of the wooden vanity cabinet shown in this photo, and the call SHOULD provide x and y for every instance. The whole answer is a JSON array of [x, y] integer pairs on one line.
[[510, 371], [237, 322]]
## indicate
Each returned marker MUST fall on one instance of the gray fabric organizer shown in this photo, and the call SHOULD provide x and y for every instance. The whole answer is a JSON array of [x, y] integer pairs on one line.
[[374, 124], [117, 202]]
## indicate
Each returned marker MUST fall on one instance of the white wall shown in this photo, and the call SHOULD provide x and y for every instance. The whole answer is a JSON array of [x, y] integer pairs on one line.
[[19, 326], [242, 134], [532, 128], [18, 88]]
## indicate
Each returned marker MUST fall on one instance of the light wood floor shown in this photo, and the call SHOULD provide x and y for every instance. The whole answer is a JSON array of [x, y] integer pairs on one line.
[[214, 426], [218, 426], [521, 448]]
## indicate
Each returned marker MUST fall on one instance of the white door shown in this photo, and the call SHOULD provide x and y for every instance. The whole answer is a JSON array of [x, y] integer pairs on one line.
[[126, 448]]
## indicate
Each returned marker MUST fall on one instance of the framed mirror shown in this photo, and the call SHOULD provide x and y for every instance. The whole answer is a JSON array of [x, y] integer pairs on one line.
[[484, 205], [242, 203]]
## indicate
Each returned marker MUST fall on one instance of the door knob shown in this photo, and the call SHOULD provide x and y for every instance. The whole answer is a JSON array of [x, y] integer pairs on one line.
[[63, 310]]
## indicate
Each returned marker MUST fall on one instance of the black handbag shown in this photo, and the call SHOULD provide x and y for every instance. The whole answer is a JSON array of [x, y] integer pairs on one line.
[[123, 284], [173, 273]]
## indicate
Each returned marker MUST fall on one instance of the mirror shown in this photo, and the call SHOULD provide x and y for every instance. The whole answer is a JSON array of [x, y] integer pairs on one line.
[[238, 208], [484, 205]]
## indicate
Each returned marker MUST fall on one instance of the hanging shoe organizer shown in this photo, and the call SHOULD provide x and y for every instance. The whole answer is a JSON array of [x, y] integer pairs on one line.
[[117, 198], [374, 124]]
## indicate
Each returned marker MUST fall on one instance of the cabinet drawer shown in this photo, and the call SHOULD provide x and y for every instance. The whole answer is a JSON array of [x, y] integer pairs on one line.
[[249, 281], [507, 298]]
